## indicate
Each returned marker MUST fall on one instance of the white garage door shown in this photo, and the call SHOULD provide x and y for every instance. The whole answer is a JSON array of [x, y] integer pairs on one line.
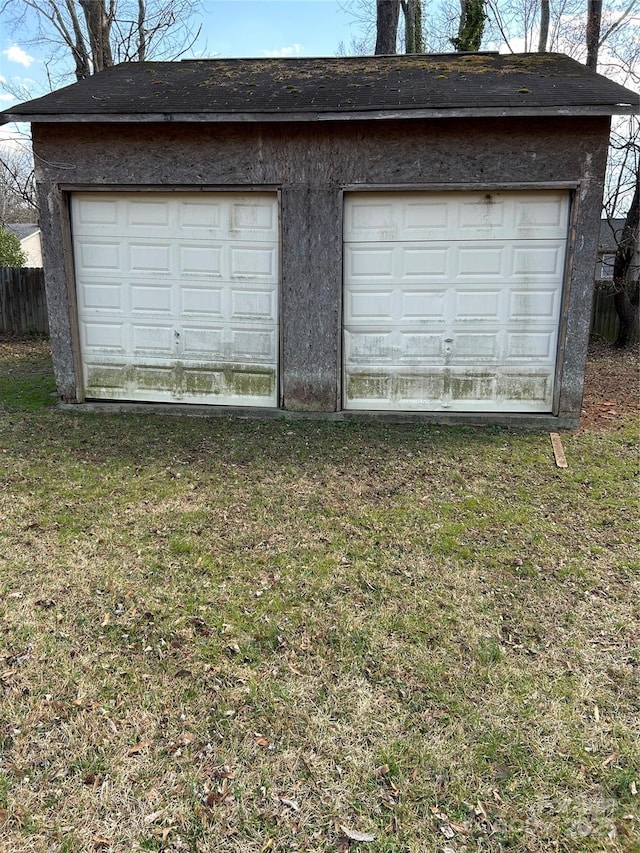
[[178, 296], [452, 300]]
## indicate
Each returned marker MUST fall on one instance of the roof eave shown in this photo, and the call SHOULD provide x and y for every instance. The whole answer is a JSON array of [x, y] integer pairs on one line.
[[336, 115]]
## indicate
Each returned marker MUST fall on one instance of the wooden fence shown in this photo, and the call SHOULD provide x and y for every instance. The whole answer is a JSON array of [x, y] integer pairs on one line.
[[23, 304], [604, 320]]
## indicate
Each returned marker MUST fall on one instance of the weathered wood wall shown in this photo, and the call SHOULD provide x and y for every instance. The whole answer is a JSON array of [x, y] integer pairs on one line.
[[23, 304]]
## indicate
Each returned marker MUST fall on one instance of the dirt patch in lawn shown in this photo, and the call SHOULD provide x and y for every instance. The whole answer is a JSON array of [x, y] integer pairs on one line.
[[612, 387]]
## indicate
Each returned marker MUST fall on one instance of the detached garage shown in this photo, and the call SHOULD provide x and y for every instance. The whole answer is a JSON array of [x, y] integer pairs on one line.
[[407, 236]]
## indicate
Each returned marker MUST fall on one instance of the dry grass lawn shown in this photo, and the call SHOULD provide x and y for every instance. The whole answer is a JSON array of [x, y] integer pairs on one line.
[[246, 636]]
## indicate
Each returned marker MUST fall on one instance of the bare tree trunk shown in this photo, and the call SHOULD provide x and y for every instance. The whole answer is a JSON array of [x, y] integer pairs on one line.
[[594, 18], [626, 275], [387, 15], [412, 11], [76, 43], [98, 28], [544, 26], [142, 35], [417, 26]]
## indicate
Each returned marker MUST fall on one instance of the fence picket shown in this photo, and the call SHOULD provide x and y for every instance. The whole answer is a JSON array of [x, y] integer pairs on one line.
[[23, 304]]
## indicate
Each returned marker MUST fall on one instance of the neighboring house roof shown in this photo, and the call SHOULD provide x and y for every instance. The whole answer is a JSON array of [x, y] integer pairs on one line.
[[401, 86], [21, 230]]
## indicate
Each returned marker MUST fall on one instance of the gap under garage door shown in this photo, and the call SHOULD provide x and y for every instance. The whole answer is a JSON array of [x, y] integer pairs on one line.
[[452, 300], [178, 296]]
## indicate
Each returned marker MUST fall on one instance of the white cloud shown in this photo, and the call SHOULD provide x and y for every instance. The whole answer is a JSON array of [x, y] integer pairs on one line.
[[5, 96], [292, 50], [14, 137], [17, 54]]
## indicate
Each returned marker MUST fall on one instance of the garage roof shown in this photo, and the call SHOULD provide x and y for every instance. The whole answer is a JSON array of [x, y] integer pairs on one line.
[[445, 85]]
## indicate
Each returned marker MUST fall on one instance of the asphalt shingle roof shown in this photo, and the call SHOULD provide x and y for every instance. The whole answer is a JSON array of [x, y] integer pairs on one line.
[[22, 230], [440, 83]]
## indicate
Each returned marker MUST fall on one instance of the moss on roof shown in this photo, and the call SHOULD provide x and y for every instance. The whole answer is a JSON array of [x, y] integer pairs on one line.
[[440, 82]]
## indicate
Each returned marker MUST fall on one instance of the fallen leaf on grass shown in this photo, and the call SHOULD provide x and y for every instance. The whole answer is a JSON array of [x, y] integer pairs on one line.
[[480, 810], [162, 832], [138, 747], [292, 804], [261, 740], [101, 842], [354, 835], [383, 770], [153, 817]]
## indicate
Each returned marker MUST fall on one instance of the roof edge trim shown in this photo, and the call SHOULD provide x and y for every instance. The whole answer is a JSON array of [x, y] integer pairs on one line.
[[362, 115]]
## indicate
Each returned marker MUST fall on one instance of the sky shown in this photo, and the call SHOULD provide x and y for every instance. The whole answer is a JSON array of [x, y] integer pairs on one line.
[[230, 28]]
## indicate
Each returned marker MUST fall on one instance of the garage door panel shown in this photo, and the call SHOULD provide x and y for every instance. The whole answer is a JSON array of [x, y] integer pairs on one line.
[[148, 378], [481, 215], [152, 299], [541, 217], [532, 305], [151, 258], [252, 262], [206, 300], [365, 304], [370, 347], [98, 336], [193, 280], [253, 345], [427, 306], [156, 340], [254, 219], [426, 262], [531, 345], [103, 296], [479, 305], [475, 347], [93, 215], [206, 261], [100, 258], [479, 261], [150, 211], [196, 216], [425, 347], [418, 218], [202, 342], [364, 262], [536, 262], [253, 305], [534, 387], [476, 329]]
